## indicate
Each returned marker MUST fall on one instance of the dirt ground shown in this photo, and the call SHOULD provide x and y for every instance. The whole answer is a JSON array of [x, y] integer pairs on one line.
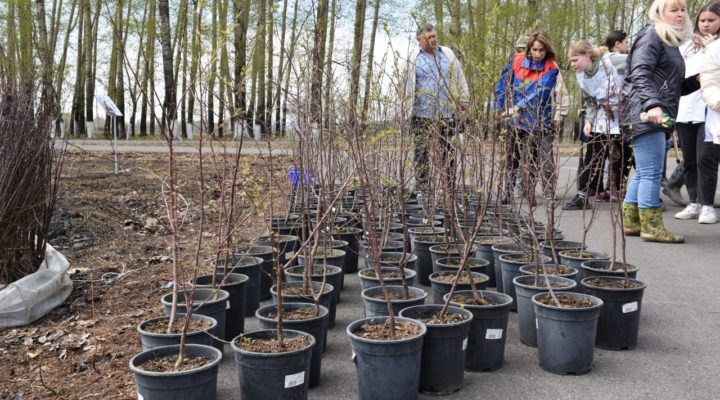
[[114, 231]]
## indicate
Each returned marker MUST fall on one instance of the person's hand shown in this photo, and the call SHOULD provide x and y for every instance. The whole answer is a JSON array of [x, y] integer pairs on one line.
[[654, 116], [558, 124], [707, 39], [587, 130]]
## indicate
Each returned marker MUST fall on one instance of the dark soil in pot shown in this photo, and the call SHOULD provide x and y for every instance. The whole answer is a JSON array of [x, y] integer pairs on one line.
[[376, 305], [214, 304], [526, 286], [293, 292], [153, 332], [574, 258], [510, 264], [451, 264], [607, 268], [391, 276]]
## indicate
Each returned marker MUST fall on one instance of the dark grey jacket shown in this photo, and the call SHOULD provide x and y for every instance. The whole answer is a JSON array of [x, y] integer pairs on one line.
[[655, 78]]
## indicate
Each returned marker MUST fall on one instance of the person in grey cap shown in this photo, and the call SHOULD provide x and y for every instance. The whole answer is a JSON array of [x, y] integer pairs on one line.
[[561, 104], [434, 92]]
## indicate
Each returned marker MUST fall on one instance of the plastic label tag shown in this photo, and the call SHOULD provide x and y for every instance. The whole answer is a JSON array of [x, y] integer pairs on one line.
[[465, 342], [294, 380], [227, 305], [353, 357], [630, 307], [536, 323], [424, 221], [140, 397], [494, 334]]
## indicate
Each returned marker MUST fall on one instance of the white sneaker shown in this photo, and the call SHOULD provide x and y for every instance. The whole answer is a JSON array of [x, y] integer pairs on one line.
[[708, 215], [692, 211]]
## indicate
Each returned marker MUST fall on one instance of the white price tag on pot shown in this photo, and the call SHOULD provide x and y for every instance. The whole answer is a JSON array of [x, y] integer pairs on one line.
[[493, 334], [294, 380], [536, 323], [630, 307], [140, 397], [353, 357], [465, 344], [227, 305]]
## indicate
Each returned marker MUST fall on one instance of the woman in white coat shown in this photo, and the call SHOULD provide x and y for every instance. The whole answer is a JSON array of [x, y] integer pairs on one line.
[[691, 114], [600, 84]]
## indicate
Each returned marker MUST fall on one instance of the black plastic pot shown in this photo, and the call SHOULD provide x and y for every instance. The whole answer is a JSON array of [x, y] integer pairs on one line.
[[326, 299], [394, 259], [566, 336], [546, 247], [416, 231], [386, 369], [452, 264], [448, 250], [214, 303], [316, 326], [195, 384], [375, 307], [575, 262], [290, 225], [619, 320], [485, 252], [498, 250], [151, 340], [525, 289], [273, 375], [235, 285], [351, 235], [510, 266], [488, 331], [440, 288], [249, 266], [443, 351], [267, 268], [389, 246], [283, 243], [602, 268], [295, 274], [332, 256], [372, 281], [573, 273], [424, 264]]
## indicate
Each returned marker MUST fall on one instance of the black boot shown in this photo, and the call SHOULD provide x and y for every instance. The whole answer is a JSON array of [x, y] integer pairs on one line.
[[578, 202]]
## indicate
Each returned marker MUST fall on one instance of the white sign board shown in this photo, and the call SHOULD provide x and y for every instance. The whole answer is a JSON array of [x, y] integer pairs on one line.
[[108, 105]]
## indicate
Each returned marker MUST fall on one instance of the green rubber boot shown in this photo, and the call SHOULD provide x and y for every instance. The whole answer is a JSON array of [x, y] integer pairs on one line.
[[631, 219], [653, 228]]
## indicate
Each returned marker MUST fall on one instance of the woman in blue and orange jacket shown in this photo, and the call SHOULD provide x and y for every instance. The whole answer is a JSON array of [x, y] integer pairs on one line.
[[523, 95]]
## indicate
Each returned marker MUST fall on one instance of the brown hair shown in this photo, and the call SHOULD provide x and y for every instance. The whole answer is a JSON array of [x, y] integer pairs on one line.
[[713, 7], [544, 39], [583, 47]]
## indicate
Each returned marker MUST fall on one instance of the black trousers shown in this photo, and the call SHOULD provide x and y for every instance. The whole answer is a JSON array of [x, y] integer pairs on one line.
[[691, 138], [621, 161], [707, 166], [533, 151], [433, 144], [599, 148]]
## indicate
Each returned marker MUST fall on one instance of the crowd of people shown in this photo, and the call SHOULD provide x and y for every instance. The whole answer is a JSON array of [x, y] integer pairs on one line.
[[637, 91]]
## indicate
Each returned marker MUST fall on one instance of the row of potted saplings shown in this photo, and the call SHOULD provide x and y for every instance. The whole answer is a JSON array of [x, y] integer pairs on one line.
[[479, 326]]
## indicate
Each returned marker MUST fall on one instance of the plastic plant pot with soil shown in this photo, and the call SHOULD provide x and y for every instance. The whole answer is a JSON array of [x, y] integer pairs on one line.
[[488, 329], [485, 252], [574, 258], [619, 321], [375, 303], [210, 302], [267, 370], [156, 378], [249, 266], [566, 332], [607, 268], [301, 317], [266, 268], [236, 286], [391, 276], [386, 367], [553, 270], [451, 264], [442, 282], [498, 250], [153, 332], [549, 247], [444, 348], [526, 286], [510, 264]]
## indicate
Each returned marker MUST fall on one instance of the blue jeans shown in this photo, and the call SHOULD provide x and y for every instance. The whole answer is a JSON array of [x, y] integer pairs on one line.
[[649, 152]]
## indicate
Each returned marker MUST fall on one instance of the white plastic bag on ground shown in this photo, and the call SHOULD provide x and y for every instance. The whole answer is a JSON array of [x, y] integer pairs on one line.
[[35, 295]]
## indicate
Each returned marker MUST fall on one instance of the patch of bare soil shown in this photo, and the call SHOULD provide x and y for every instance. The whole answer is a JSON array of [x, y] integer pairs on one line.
[[613, 283], [472, 300], [167, 364], [566, 301], [375, 331], [551, 270], [161, 326], [114, 231], [449, 277], [296, 314], [371, 273], [443, 319], [273, 345]]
